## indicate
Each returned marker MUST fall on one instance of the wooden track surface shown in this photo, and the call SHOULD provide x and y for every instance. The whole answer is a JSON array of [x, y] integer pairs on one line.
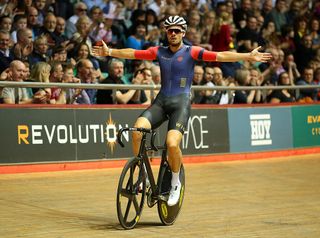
[[268, 198]]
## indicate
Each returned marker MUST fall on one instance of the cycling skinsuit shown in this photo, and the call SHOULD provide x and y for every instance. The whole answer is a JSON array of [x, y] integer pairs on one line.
[[177, 69]]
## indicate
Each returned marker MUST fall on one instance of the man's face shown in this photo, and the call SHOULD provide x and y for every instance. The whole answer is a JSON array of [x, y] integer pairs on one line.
[[61, 25], [117, 71], [217, 76], [4, 41], [6, 24], [50, 23], [198, 74], [308, 75], [33, 16], [86, 71], [175, 35], [18, 71], [208, 76]]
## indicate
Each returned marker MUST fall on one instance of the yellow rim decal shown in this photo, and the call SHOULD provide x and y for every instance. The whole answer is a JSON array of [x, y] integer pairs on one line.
[[164, 210], [181, 196], [137, 218]]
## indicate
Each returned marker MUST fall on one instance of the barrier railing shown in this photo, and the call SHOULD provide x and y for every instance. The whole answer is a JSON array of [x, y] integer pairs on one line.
[[264, 89]]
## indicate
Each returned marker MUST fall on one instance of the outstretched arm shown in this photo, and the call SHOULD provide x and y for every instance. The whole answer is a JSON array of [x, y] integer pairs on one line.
[[254, 55], [104, 50]]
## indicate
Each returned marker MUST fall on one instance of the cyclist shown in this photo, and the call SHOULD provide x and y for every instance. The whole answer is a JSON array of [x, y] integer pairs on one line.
[[173, 101]]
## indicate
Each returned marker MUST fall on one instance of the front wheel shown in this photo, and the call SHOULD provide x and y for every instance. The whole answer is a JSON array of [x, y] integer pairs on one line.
[[169, 214], [131, 193]]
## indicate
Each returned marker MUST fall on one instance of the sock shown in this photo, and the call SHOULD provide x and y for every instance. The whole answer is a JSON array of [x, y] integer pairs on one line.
[[175, 178]]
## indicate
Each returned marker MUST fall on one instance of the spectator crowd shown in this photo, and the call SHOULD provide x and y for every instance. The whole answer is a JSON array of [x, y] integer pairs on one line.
[[51, 41]]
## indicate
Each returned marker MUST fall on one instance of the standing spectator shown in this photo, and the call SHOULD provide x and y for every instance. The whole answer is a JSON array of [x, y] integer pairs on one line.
[[6, 57], [16, 72]]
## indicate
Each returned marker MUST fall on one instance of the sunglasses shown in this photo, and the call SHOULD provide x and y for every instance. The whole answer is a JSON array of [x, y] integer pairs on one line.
[[82, 9], [176, 31]]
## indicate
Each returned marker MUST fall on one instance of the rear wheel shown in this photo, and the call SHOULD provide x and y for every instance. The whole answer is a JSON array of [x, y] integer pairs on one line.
[[169, 214], [131, 193]]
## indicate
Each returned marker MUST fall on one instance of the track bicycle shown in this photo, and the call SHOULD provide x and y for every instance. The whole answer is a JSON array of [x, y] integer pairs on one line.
[[137, 182]]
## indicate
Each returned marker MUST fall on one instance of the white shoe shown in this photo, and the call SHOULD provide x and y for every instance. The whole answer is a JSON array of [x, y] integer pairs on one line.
[[174, 195]]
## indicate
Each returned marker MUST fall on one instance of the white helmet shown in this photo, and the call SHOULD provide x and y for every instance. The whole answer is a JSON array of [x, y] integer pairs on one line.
[[175, 21]]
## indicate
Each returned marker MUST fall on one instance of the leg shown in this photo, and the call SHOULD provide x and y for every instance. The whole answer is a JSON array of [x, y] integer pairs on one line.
[[175, 159], [136, 136], [174, 153]]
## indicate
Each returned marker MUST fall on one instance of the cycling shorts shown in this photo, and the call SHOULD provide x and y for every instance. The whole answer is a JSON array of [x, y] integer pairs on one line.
[[176, 109]]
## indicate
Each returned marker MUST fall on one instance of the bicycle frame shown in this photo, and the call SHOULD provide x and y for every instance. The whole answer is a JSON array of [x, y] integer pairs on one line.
[[143, 149]]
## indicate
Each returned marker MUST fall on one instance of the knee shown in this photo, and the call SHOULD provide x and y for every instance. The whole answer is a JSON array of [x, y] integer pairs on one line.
[[172, 145]]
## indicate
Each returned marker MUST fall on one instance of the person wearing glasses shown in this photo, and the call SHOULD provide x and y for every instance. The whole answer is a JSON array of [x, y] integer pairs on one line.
[[173, 102]]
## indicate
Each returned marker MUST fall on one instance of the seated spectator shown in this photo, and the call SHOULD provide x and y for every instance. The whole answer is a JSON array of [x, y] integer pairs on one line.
[[116, 68], [74, 96], [40, 72], [156, 77], [16, 72], [82, 51], [256, 79], [32, 21], [49, 26], [304, 53], [19, 22], [80, 9], [58, 95], [24, 46], [6, 56], [5, 23], [87, 74], [282, 95], [40, 51], [137, 39], [197, 79], [310, 94], [58, 35], [242, 78], [209, 96]]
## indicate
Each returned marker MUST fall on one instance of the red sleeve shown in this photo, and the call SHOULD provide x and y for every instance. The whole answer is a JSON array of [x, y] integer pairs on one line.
[[199, 53], [149, 54]]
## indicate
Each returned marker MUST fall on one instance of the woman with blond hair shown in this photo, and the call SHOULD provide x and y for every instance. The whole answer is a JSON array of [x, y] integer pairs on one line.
[[40, 72]]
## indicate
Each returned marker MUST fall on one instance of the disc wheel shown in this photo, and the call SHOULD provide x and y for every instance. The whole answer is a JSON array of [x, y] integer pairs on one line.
[[169, 214], [131, 193]]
